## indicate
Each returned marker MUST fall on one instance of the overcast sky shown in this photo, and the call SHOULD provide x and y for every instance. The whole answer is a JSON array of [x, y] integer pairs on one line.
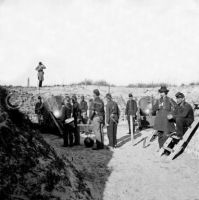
[[121, 41]]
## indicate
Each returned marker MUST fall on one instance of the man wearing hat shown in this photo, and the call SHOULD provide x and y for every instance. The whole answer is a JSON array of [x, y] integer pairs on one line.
[[76, 113], [183, 115], [163, 106], [84, 109], [131, 109], [68, 132], [97, 115], [39, 108], [112, 118]]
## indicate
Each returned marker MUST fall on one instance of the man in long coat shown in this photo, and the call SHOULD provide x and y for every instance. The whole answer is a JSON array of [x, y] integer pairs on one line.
[[112, 118], [40, 68], [163, 106]]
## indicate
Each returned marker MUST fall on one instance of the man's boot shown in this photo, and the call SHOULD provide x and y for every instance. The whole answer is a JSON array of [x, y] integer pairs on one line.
[[95, 147], [100, 145]]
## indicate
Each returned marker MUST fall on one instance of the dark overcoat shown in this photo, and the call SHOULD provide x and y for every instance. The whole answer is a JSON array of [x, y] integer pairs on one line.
[[163, 107]]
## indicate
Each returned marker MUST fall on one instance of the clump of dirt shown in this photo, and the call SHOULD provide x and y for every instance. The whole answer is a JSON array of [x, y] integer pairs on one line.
[[30, 168]]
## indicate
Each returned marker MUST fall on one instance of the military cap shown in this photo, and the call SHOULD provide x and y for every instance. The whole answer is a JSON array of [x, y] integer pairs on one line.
[[108, 96], [96, 92], [74, 97], [179, 95], [67, 97], [130, 95], [39, 97]]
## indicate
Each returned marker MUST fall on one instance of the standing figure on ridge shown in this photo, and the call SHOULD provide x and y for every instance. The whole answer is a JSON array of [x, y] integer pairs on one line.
[[40, 68]]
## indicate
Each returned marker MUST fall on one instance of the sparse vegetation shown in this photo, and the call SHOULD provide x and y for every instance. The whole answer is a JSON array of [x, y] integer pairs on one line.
[[148, 85]]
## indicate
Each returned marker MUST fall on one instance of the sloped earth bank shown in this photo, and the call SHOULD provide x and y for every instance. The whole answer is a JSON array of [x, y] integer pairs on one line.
[[136, 172], [129, 172], [29, 167]]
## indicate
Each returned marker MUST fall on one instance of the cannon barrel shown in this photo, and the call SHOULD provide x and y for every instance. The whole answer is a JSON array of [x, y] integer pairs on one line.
[[145, 105], [53, 112]]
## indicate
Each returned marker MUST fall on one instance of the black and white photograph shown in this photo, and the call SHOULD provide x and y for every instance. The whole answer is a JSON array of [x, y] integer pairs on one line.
[[99, 99]]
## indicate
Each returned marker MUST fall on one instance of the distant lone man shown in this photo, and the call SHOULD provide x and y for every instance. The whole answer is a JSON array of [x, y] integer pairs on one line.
[[40, 68], [131, 109], [183, 115]]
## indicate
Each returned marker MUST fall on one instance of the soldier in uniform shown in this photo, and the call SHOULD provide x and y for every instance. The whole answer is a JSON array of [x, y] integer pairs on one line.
[[112, 118], [68, 129], [97, 116], [163, 106], [83, 108], [183, 115], [131, 109], [76, 113], [39, 109]]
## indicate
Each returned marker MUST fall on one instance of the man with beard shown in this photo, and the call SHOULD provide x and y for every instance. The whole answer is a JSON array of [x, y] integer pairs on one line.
[[183, 115], [163, 106]]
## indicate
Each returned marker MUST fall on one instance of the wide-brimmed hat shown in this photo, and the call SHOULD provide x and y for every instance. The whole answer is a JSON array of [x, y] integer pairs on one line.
[[179, 95], [108, 96], [162, 89]]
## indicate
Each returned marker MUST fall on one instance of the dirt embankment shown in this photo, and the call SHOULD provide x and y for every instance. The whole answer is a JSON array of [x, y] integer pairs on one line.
[[30, 168]]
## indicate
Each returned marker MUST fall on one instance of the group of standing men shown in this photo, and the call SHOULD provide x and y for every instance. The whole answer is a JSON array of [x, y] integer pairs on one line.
[[172, 117], [77, 111], [97, 117]]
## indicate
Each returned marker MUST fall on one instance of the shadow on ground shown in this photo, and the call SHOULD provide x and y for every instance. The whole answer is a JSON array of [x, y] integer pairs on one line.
[[93, 164]]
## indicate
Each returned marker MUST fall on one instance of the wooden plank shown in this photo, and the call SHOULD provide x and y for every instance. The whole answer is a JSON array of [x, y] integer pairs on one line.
[[179, 146], [165, 145], [56, 123], [85, 127], [168, 149], [131, 125]]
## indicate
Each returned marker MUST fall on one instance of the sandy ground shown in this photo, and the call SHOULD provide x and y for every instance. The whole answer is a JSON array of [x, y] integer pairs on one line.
[[133, 172], [130, 172]]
